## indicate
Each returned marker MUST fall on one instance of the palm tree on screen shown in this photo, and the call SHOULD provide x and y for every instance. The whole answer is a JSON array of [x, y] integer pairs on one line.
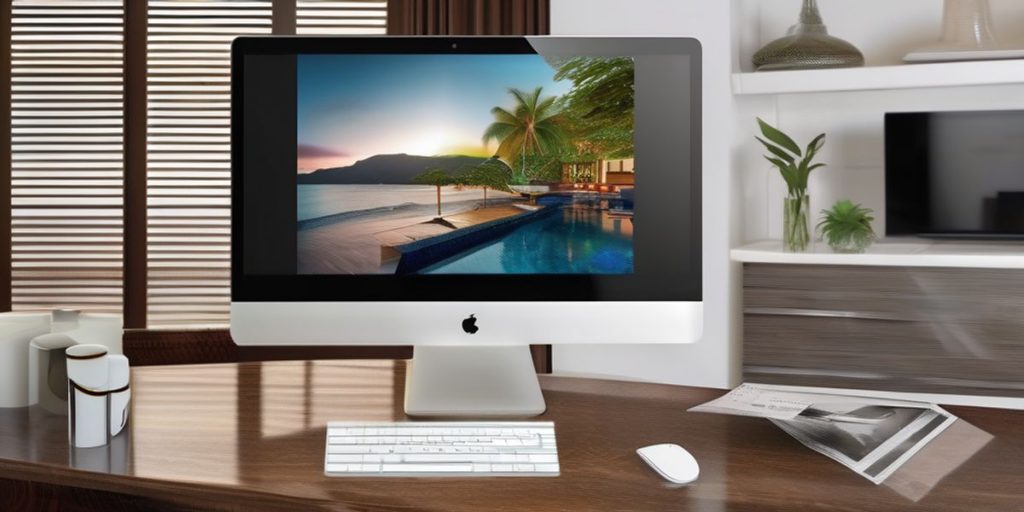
[[532, 127]]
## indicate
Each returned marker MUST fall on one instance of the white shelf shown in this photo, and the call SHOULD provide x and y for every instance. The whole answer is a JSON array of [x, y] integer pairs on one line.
[[912, 253], [908, 76]]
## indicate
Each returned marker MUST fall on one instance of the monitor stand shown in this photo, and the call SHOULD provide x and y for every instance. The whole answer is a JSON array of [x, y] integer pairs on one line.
[[476, 381]]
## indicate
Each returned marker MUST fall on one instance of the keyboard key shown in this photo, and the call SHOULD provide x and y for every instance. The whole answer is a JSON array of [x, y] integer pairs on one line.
[[428, 468], [344, 459], [343, 440], [348, 449], [446, 457], [548, 459]]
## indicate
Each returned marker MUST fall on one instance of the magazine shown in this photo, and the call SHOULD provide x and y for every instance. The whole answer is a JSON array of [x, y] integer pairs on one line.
[[871, 436]]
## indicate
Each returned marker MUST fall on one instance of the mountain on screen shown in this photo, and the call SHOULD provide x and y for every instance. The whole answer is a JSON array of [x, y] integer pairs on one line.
[[387, 170]]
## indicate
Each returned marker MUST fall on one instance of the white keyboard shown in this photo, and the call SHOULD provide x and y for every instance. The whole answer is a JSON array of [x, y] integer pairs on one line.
[[441, 449]]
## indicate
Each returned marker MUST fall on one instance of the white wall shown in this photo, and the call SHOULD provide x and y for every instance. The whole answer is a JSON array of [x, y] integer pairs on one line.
[[714, 360]]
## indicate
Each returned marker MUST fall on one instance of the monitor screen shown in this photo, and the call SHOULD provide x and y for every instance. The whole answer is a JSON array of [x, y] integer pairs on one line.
[[466, 169], [464, 164], [955, 174]]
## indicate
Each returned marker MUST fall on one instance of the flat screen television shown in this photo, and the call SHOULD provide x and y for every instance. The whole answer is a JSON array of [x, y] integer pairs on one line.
[[955, 174]]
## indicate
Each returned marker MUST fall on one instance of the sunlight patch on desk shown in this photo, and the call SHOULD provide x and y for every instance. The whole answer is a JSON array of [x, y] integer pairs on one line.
[[204, 436], [306, 395]]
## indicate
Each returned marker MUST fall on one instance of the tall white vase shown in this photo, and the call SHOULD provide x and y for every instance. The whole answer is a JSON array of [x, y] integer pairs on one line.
[[967, 34], [967, 25]]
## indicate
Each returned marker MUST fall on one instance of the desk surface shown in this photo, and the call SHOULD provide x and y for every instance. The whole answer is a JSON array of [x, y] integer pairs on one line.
[[251, 437]]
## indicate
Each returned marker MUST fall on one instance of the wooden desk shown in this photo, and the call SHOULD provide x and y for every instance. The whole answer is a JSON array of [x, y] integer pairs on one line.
[[250, 437]]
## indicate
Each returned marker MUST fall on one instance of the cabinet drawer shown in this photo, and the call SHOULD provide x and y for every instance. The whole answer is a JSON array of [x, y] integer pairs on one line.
[[906, 329]]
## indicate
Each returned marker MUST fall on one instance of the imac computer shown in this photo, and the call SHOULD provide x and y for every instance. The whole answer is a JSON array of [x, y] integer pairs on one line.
[[468, 196]]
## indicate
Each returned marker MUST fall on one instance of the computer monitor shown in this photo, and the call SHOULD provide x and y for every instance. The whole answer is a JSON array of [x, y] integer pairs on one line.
[[468, 196]]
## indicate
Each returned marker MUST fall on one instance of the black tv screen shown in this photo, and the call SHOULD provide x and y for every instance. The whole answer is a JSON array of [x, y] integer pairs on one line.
[[955, 174]]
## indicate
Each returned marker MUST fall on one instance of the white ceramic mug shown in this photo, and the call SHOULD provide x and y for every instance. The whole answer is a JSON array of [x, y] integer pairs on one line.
[[98, 395]]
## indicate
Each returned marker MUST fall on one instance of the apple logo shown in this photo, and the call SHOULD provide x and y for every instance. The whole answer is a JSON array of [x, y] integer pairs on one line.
[[469, 325]]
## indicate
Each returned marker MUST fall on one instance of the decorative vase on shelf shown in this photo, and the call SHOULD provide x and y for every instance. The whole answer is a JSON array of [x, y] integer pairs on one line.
[[968, 24], [795, 165], [967, 34], [807, 45], [796, 232]]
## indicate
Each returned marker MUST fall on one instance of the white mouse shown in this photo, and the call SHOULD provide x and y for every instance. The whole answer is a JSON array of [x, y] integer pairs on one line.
[[671, 461]]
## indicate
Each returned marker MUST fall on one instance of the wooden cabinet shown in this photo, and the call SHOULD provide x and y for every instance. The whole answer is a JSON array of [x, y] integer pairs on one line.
[[935, 330]]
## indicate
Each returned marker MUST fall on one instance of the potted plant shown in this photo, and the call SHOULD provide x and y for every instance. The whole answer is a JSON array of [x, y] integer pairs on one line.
[[795, 166], [847, 227]]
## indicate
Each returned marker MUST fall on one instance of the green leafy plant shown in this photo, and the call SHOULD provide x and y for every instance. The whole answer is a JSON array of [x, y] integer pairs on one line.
[[794, 165], [847, 227]]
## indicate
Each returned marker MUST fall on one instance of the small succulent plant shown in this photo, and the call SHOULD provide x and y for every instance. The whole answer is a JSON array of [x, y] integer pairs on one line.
[[846, 227]]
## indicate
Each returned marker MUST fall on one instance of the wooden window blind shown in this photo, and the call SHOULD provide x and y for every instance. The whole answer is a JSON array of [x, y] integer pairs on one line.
[[331, 17], [67, 136], [188, 148]]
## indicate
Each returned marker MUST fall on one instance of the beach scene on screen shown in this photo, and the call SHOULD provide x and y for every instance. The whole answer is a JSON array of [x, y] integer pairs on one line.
[[465, 164]]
